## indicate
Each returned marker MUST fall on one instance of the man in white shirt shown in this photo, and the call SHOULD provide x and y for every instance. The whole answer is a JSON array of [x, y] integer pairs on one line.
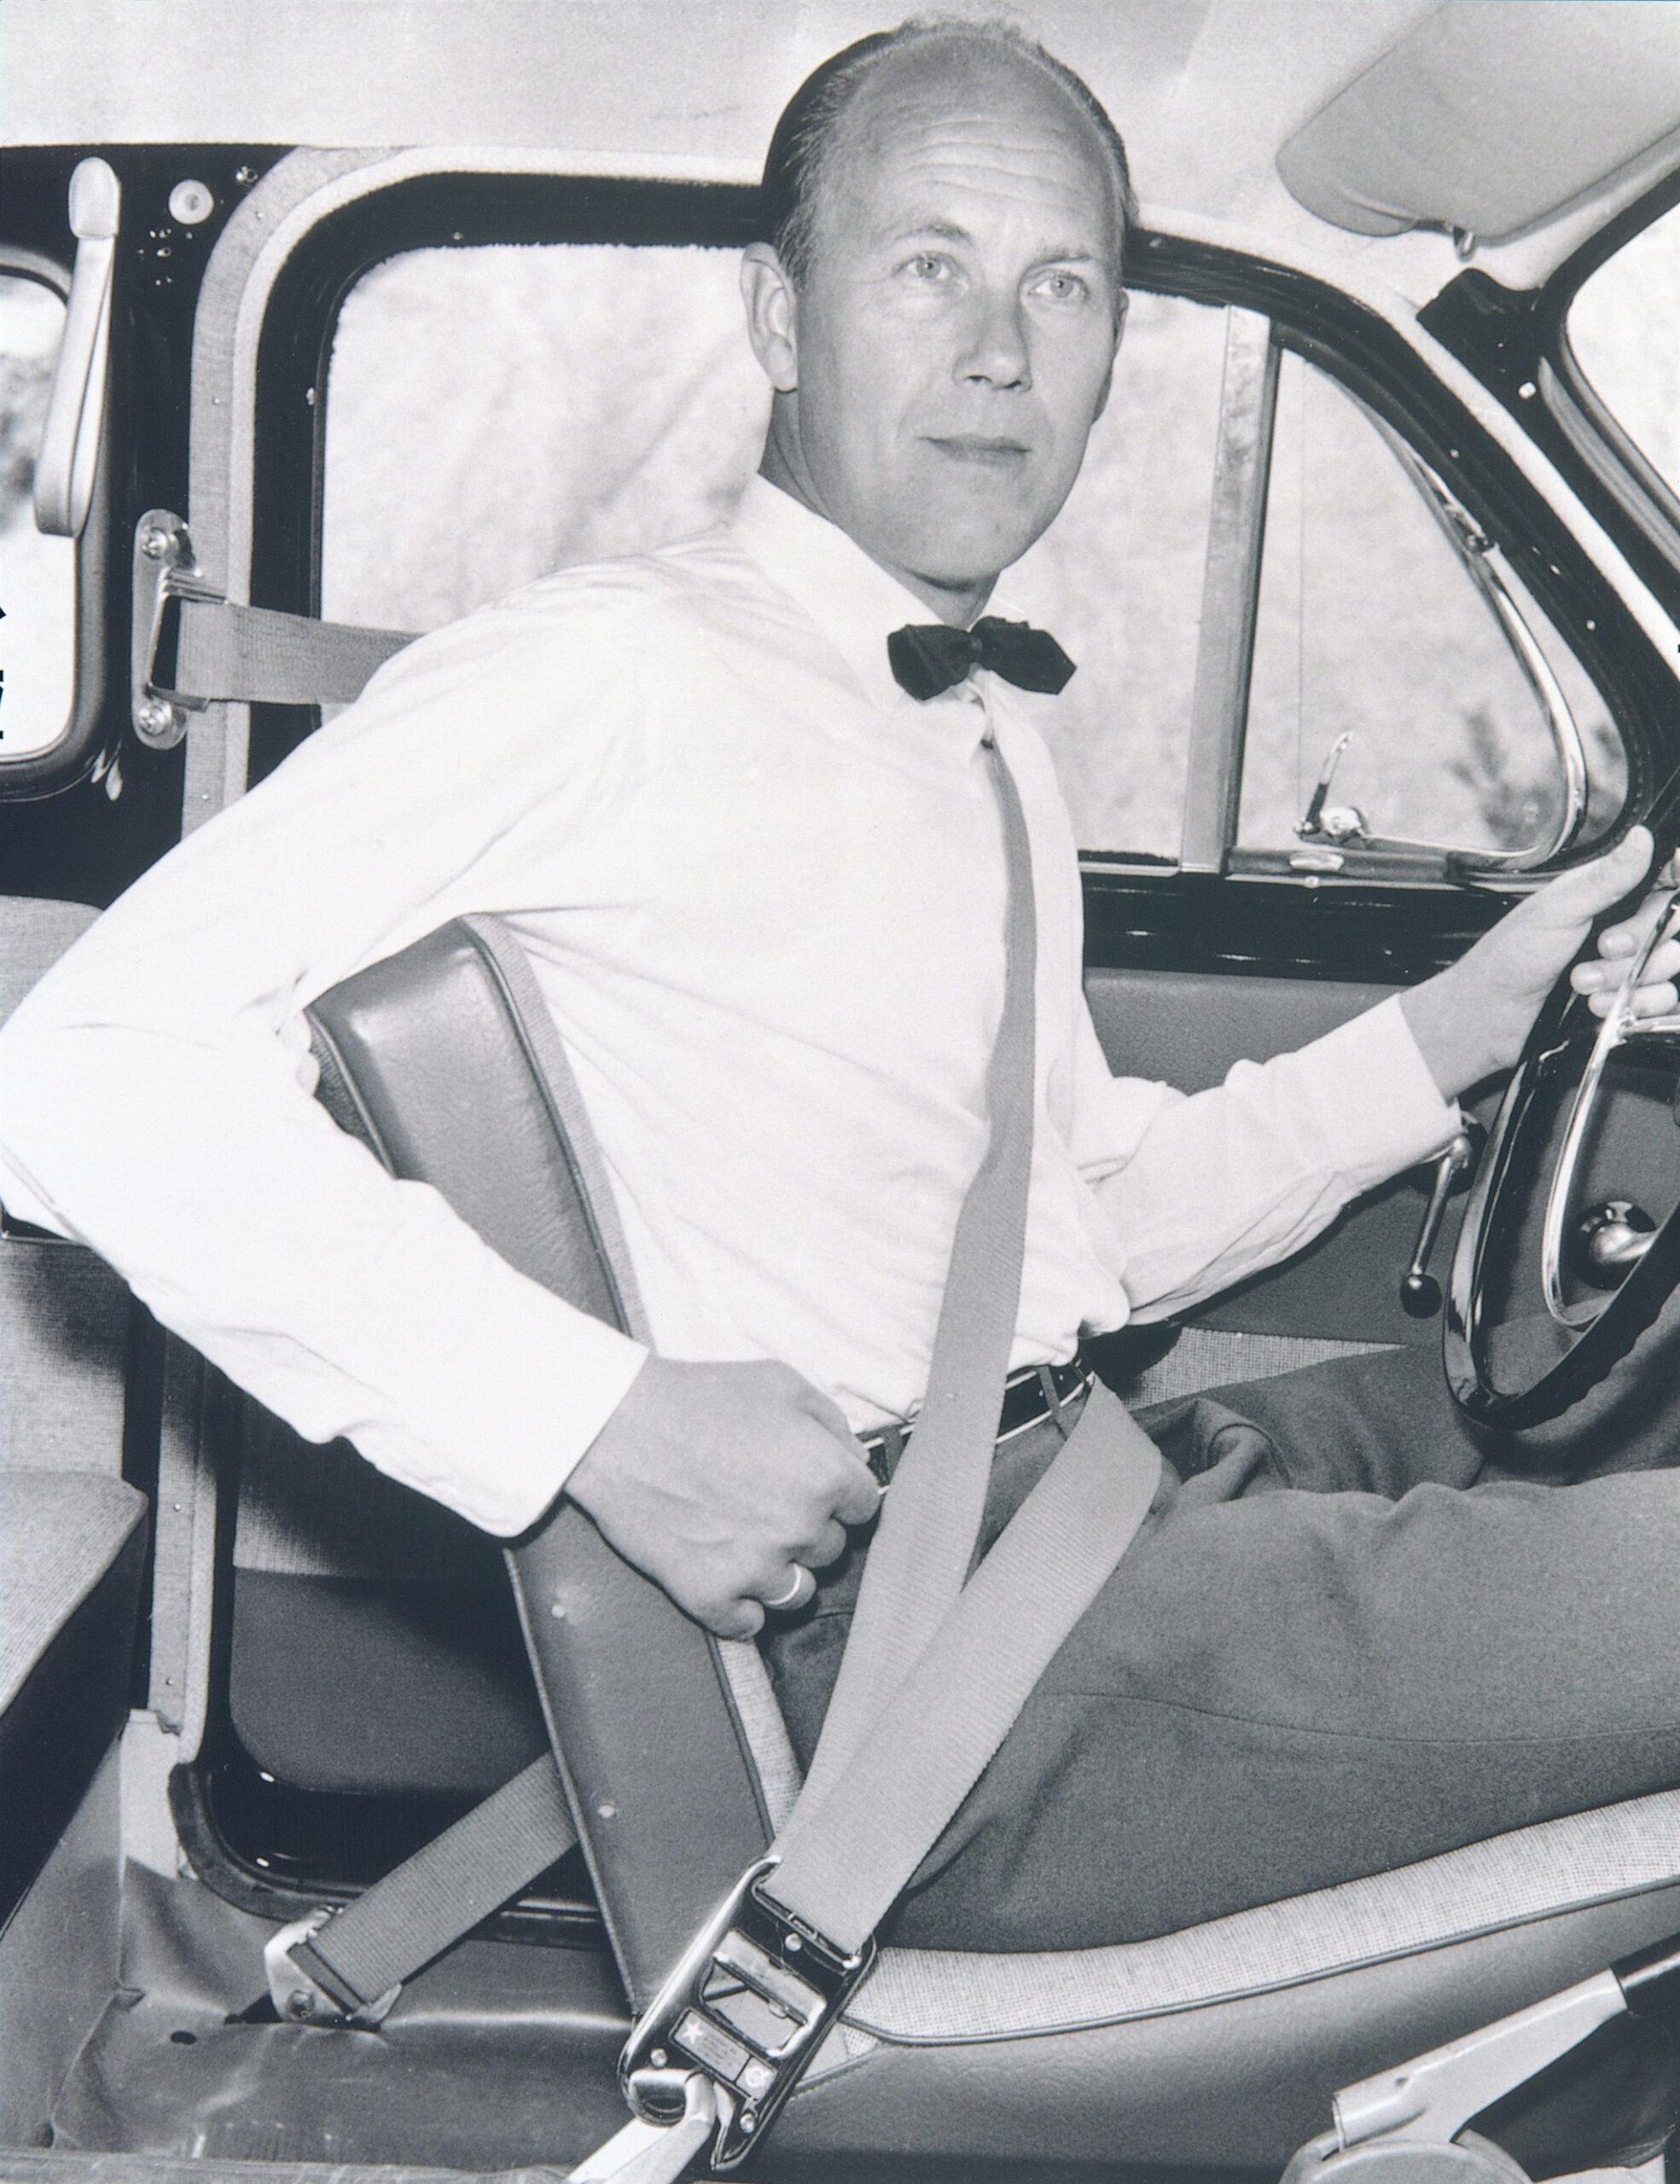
[[761, 890]]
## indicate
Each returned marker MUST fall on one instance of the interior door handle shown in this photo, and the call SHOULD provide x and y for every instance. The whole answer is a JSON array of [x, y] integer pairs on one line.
[[76, 406]]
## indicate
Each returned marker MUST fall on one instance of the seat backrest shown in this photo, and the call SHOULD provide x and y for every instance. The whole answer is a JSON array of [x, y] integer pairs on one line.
[[444, 1060], [64, 1315]]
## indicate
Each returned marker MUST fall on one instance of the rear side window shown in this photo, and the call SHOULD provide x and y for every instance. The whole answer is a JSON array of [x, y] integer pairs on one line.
[[495, 413], [37, 574]]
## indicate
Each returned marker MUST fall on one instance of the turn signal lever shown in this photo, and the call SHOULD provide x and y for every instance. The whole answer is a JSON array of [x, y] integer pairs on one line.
[[1419, 1291]]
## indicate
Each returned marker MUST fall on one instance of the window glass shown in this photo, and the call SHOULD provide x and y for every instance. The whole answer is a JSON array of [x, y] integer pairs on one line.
[[37, 574], [1368, 622], [494, 413], [1118, 576], [1624, 328]]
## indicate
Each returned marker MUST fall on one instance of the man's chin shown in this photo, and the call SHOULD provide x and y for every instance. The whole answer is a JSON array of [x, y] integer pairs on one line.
[[963, 567]]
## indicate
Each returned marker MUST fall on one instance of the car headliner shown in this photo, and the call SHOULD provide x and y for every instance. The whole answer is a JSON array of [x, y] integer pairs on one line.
[[1208, 92]]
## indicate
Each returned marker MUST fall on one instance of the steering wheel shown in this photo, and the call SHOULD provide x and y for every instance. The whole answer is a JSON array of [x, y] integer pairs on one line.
[[1632, 1263]]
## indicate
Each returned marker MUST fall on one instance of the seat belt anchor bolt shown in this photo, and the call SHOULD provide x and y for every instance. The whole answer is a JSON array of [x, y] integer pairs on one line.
[[750, 2003], [303, 1988]]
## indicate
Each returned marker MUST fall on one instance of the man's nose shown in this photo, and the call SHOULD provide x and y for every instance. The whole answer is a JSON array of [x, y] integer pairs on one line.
[[996, 351]]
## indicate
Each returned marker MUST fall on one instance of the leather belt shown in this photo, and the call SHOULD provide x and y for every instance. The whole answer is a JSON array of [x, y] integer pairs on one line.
[[1033, 1394]]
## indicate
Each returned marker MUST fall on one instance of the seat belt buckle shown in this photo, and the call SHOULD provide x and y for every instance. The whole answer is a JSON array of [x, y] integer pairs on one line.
[[749, 2003]]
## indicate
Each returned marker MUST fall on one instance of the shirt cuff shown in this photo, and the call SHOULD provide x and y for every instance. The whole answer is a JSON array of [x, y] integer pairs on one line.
[[1376, 1098], [500, 1441]]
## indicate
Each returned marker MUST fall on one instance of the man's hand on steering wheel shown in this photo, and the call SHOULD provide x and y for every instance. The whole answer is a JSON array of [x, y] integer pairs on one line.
[[1472, 1018]]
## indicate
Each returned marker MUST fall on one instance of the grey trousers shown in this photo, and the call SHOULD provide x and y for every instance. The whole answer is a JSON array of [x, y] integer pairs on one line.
[[1353, 1632]]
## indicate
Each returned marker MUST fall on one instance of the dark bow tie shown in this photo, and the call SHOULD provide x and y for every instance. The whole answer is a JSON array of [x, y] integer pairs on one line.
[[928, 657]]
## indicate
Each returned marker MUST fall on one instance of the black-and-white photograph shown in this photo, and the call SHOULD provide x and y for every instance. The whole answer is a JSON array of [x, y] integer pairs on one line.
[[840, 1091]]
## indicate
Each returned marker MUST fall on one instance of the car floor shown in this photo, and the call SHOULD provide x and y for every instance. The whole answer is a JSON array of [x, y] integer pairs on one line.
[[500, 2056]]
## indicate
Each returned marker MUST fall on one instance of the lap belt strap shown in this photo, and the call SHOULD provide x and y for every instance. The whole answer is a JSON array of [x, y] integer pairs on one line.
[[346, 1967], [938, 1663]]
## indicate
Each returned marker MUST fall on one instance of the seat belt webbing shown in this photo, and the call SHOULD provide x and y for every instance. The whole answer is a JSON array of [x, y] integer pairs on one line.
[[430, 1900], [226, 652], [936, 1669], [846, 1857]]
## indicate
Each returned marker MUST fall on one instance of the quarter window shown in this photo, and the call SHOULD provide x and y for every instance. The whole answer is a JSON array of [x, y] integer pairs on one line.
[[1370, 627]]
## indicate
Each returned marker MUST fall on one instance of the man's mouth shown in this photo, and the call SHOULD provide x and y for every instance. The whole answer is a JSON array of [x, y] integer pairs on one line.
[[988, 451]]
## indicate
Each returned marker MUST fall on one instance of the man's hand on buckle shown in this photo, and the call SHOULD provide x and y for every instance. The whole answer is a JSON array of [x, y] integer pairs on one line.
[[723, 1483]]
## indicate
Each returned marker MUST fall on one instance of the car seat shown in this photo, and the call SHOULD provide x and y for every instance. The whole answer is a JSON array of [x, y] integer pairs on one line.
[[1215, 2048]]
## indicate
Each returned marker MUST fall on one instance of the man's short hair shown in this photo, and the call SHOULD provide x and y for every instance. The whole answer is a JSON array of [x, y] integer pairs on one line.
[[811, 126]]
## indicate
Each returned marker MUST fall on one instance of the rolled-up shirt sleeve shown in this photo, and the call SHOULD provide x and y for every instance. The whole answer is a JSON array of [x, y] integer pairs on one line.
[[157, 1100], [1198, 1191]]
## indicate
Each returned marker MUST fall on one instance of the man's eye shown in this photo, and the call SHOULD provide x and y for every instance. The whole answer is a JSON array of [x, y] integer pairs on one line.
[[927, 267], [1063, 288]]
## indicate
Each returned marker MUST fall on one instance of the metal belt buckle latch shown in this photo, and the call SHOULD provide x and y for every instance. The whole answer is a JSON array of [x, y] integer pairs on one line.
[[749, 2004], [302, 1989]]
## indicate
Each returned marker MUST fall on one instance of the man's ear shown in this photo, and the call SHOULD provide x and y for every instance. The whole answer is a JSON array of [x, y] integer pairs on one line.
[[772, 316]]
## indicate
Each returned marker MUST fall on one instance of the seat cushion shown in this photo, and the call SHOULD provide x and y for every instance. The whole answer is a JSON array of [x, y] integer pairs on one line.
[[72, 1548]]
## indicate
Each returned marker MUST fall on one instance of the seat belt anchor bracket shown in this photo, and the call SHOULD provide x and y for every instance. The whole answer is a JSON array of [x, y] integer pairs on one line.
[[304, 1990], [750, 2003], [165, 572]]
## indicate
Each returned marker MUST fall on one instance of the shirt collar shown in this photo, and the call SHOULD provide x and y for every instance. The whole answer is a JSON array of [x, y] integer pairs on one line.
[[851, 599]]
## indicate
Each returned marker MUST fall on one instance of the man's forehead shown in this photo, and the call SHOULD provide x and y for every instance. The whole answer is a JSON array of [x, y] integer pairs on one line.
[[930, 108]]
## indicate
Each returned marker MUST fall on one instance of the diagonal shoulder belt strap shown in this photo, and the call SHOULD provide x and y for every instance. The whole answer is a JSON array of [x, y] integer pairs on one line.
[[936, 1668], [938, 1664], [224, 651]]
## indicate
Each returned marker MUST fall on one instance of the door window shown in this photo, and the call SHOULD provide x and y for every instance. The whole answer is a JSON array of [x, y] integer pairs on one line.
[[494, 413], [1118, 576]]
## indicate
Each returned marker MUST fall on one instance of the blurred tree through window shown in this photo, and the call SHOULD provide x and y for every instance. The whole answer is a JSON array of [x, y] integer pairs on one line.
[[37, 574]]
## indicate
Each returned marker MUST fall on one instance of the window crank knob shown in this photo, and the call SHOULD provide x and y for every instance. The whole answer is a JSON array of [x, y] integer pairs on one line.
[[1419, 1291]]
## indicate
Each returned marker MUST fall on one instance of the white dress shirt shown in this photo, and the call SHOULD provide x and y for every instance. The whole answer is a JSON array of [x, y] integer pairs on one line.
[[762, 893]]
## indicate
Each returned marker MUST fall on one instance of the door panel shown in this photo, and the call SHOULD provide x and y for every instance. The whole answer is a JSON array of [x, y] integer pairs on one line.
[[1188, 1029]]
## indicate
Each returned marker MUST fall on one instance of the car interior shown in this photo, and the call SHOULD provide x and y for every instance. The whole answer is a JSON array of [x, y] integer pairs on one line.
[[322, 325]]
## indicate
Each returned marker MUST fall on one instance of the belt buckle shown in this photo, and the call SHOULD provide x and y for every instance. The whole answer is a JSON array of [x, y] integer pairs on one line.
[[749, 2004]]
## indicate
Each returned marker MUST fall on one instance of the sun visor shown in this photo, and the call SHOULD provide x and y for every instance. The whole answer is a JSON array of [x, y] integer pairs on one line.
[[1489, 115]]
